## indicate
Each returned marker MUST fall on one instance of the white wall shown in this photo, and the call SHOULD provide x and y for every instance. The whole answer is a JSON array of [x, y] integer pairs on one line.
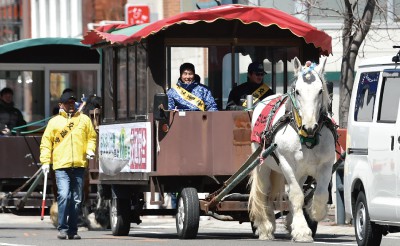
[[56, 18]]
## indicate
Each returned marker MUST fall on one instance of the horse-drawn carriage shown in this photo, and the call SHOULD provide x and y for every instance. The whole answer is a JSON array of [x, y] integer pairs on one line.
[[145, 148]]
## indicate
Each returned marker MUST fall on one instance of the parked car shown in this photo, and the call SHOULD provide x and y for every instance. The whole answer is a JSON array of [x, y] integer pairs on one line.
[[372, 165]]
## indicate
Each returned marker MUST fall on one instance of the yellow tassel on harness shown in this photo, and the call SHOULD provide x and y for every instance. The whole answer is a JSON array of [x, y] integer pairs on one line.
[[297, 118]]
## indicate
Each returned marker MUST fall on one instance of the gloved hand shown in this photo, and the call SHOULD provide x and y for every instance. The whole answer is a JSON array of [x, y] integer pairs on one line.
[[89, 155], [45, 168], [4, 130]]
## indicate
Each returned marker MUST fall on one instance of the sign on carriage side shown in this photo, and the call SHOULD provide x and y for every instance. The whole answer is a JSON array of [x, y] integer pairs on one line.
[[125, 148], [137, 14]]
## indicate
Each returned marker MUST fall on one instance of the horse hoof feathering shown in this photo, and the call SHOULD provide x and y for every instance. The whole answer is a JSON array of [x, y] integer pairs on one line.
[[300, 124]]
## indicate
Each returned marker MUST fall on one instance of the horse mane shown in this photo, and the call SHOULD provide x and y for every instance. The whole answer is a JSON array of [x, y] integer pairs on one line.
[[326, 101]]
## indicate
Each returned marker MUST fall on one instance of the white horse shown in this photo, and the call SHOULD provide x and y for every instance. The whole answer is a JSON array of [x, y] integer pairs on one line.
[[305, 147]]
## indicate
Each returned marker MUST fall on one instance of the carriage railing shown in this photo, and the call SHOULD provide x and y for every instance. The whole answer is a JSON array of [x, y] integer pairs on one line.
[[17, 130]]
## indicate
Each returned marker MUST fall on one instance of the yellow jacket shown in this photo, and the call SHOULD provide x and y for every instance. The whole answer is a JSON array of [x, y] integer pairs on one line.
[[66, 141]]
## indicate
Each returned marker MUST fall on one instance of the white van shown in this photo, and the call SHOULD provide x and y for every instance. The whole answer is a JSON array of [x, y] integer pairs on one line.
[[372, 165]]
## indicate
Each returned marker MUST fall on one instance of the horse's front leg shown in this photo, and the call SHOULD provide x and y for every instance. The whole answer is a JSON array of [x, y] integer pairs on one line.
[[299, 228], [318, 208]]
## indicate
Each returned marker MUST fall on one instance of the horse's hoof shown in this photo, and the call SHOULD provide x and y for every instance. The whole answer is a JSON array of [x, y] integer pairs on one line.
[[303, 240], [302, 236], [266, 237]]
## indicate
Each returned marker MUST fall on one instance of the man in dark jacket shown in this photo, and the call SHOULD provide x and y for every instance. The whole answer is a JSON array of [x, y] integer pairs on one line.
[[254, 86], [10, 116]]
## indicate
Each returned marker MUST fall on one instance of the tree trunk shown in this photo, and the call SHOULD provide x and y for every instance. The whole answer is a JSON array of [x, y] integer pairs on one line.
[[346, 83], [354, 33]]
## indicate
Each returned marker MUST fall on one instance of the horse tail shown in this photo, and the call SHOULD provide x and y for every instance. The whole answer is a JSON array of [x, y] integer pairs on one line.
[[257, 197], [259, 183]]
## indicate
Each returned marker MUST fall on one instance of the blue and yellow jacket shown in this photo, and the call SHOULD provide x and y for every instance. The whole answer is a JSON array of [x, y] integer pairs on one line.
[[195, 88]]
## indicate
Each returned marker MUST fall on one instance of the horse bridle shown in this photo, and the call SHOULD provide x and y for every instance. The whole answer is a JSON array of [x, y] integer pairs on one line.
[[296, 121]]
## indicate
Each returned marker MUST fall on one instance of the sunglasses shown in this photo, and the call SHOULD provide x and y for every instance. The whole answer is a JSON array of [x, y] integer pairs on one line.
[[259, 74]]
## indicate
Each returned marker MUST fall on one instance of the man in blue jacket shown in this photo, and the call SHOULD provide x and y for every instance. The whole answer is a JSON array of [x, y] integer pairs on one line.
[[189, 94]]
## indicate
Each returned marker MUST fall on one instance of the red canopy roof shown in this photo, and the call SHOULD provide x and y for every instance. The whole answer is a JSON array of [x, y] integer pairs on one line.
[[246, 14]]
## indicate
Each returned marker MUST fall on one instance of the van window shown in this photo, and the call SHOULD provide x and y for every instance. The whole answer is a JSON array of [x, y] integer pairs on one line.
[[366, 94], [389, 105]]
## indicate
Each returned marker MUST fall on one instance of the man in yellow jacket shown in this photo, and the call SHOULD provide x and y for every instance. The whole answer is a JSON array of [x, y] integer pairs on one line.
[[68, 141]]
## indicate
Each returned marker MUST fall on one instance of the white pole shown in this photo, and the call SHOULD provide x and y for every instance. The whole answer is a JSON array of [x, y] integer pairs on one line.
[[44, 195]]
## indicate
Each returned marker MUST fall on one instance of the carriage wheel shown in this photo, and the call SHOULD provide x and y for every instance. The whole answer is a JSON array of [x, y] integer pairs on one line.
[[188, 214], [367, 232], [120, 216], [312, 224]]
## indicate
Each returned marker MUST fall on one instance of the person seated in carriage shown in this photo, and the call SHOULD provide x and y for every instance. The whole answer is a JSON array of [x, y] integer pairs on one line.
[[254, 86], [190, 94], [10, 116]]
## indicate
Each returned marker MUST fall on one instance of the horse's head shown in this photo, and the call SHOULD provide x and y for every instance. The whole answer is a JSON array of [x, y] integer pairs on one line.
[[92, 102], [310, 96]]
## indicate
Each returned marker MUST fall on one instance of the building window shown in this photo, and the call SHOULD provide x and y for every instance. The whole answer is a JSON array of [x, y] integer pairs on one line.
[[10, 21]]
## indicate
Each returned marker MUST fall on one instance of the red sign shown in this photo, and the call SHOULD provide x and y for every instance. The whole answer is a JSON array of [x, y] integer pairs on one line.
[[137, 14], [139, 148]]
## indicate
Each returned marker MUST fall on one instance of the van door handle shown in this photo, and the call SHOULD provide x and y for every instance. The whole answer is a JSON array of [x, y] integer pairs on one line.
[[392, 145]]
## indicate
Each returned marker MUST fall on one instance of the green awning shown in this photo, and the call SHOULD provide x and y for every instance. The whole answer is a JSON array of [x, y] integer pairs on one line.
[[48, 50], [25, 43]]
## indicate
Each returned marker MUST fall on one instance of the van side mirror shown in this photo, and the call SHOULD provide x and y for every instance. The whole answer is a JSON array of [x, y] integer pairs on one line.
[[159, 106]]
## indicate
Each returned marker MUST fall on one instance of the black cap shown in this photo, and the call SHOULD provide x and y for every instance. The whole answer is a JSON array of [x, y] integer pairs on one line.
[[257, 67], [66, 96], [186, 66]]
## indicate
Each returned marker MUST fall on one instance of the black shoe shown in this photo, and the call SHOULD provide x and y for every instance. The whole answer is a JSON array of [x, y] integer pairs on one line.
[[76, 236], [62, 235]]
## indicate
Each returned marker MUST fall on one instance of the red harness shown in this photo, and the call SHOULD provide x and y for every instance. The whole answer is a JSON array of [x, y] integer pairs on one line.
[[260, 125]]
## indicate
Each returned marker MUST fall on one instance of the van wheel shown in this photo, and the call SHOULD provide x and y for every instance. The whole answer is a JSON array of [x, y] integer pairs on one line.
[[367, 232], [188, 214], [120, 216]]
